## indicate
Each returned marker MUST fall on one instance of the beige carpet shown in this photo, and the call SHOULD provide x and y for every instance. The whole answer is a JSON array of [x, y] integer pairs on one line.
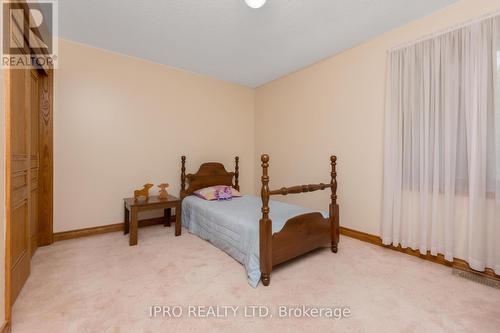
[[100, 284]]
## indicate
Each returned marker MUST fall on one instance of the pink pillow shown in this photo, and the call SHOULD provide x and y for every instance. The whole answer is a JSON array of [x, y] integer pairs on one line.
[[219, 192]]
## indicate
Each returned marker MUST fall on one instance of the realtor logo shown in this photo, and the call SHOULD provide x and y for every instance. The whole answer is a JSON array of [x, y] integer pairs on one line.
[[29, 34]]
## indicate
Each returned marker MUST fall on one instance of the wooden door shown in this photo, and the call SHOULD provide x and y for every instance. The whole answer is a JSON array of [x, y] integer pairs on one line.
[[19, 172], [34, 104], [28, 168]]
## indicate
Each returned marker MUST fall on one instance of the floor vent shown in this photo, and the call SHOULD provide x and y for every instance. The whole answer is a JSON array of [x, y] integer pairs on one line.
[[477, 278]]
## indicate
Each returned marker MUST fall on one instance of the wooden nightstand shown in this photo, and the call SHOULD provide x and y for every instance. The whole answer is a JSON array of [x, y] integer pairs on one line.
[[133, 207]]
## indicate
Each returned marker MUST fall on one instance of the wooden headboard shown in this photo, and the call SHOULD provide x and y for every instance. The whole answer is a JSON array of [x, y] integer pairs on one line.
[[209, 174]]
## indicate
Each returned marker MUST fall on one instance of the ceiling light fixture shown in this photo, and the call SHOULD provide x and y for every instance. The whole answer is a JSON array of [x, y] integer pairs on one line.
[[255, 3]]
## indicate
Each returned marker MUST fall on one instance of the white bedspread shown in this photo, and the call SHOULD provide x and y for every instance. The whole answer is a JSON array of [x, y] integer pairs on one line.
[[233, 226]]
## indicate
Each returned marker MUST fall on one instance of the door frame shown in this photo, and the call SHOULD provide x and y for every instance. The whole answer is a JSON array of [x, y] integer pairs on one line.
[[46, 158]]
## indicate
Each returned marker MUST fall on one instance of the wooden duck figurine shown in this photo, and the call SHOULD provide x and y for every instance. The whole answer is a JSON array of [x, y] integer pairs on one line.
[[163, 191]]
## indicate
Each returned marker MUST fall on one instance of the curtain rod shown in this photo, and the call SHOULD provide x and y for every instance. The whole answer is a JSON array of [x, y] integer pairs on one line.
[[445, 31]]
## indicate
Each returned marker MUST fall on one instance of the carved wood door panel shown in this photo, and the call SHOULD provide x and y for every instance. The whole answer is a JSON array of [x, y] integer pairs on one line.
[[20, 179]]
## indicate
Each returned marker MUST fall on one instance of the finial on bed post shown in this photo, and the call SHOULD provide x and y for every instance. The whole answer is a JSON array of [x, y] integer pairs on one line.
[[333, 162], [265, 226], [183, 176], [334, 207], [236, 173]]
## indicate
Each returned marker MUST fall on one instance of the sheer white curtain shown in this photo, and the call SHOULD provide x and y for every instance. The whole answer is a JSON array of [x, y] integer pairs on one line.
[[442, 146]]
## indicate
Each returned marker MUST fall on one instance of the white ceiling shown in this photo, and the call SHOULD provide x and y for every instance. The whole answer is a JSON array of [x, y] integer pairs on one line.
[[227, 40]]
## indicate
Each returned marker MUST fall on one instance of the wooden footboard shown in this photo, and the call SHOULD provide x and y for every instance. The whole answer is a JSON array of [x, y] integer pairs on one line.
[[300, 234]]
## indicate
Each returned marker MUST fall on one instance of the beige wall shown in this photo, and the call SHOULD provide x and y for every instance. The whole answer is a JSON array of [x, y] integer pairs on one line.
[[120, 122], [337, 106]]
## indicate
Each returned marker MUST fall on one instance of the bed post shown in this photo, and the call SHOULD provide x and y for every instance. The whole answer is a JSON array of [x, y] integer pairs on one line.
[[334, 207], [265, 227], [236, 173], [183, 176]]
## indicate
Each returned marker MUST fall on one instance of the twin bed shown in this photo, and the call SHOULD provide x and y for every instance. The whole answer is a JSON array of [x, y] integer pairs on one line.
[[283, 232]]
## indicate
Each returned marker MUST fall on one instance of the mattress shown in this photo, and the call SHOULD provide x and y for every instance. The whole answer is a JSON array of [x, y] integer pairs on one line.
[[233, 226]]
